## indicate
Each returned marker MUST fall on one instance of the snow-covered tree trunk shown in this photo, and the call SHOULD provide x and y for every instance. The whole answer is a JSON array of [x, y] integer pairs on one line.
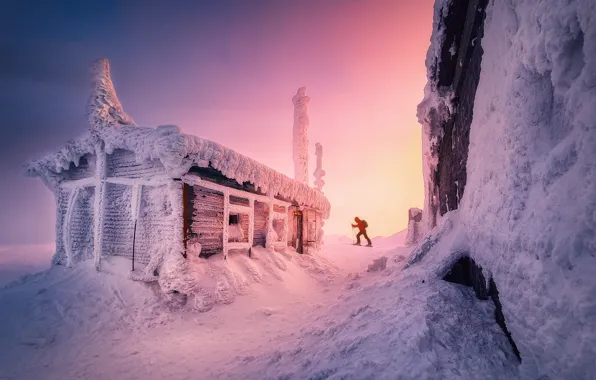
[[300, 147], [319, 172]]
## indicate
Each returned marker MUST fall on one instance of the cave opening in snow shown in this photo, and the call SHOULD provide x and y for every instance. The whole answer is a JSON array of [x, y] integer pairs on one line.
[[466, 272]]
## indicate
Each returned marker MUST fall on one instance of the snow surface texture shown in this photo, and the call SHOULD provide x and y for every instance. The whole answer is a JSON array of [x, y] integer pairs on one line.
[[276, 316], [528, 214], [104, 108], [300, 146], [319, 172]]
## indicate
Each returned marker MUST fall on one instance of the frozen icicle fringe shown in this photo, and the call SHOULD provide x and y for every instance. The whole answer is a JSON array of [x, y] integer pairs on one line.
[[300, 146], [104, 108]]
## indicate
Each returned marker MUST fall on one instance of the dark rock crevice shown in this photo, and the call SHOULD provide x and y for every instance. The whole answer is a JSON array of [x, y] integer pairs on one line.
[[466, 272]]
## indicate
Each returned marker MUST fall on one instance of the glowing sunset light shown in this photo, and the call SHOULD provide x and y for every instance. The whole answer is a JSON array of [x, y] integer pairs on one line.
[[228, 74]]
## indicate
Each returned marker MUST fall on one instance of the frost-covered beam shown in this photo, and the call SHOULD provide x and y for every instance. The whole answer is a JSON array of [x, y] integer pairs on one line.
[[251, 222], [300, 139], [239, 209], [226, 223], [83, 182], [153, 181], [67, 224], [238, 245], [196, 180], [98, 214]]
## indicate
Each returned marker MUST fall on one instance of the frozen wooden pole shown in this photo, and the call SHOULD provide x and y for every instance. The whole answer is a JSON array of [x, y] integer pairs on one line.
[[300, 135], [319, 172], [98, 214], [251, 222], [226, 223], [67, 223]]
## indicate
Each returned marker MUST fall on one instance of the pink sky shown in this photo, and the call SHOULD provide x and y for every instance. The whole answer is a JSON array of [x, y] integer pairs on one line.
[[363, 66], [228, 73]]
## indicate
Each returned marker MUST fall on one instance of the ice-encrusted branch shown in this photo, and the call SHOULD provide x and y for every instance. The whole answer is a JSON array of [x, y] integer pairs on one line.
[[104, 108], [300, 141]]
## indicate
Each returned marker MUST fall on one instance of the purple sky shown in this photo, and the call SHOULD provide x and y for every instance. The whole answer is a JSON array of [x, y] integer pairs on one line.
[[224, 70]]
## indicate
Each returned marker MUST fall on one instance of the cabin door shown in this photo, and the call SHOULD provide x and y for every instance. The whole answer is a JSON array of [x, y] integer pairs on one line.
[[299, 231]]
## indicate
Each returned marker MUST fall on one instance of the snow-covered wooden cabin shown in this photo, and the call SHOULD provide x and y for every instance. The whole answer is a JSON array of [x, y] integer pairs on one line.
[[168, 191]]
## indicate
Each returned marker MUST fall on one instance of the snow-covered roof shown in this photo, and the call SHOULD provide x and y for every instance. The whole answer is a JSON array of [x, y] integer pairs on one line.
[[179, 152]]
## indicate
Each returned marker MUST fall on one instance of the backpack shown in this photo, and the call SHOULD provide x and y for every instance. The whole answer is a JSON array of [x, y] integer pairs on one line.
[[364, 223]]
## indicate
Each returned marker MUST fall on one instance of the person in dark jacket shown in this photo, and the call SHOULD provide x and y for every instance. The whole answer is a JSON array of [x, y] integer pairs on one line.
[[361, 231]]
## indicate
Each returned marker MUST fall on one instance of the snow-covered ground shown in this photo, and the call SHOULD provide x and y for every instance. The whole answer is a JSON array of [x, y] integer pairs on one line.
[[298, 316], [17, 260]]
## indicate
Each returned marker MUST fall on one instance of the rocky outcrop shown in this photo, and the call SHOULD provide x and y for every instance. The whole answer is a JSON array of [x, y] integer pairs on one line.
[[466, 272], [453, 79]]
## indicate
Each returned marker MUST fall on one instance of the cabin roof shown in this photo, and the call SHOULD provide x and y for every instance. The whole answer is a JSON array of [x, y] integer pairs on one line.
[[178, 152]]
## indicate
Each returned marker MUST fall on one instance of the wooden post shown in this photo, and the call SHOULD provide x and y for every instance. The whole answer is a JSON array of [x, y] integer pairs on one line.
[[269, 244], [286, 229], [100, 189], [251, 223], [66, 225], [226, 223]]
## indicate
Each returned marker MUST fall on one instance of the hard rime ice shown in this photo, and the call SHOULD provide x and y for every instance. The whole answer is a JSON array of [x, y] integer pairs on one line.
[[319, 172], [300, 140]]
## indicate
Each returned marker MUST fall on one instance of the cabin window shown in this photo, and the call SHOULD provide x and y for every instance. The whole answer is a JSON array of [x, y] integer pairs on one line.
[[234, 219]]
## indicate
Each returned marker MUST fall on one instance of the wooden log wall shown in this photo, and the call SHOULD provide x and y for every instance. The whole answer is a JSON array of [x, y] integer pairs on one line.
[[261, 217], [61, 205], [122, 163], [204, 210], [118, 224], [292, 226], [82, 225], [156, 228]]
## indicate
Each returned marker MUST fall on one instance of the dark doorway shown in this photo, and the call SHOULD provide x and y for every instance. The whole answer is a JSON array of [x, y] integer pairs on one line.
[[298, 227]]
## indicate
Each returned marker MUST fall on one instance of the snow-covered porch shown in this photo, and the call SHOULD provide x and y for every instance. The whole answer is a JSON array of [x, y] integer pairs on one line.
[[236, 203]]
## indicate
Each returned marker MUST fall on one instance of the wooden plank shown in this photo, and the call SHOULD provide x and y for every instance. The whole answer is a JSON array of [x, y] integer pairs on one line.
[[204, 214], [261, 215], [123, 163]]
